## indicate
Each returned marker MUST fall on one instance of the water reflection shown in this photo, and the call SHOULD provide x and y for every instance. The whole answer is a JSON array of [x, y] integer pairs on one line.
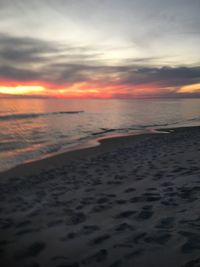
[[33, 137]]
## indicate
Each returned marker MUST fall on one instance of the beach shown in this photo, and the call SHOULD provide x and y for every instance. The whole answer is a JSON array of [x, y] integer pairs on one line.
[[131, 201]]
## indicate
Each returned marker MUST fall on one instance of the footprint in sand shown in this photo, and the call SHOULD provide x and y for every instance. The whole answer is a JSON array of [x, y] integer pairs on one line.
[[117, 263], [192, 243], [166, 223], [100, 239], [70, 235], [89, 229], [76, 218], [151, 196], [23, 223], [123, 227], [158, 237], [102, 200], [145, 214], [192, 263], [54, 223], [32, 251], [129, 190], [125, 214], [27, 231], [135, 199], [99, 208], [98, 257], [134, 253], [6, 223], [121, 201]]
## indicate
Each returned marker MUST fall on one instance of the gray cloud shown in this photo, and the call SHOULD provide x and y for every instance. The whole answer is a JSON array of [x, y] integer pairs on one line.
[[167, 76], [28, 50], [60, 64], [153, 26], [24, 58], [18, 74], [21, 50]]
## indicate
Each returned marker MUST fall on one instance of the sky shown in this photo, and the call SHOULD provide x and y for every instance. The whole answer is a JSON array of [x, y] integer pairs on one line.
[[100, 49]]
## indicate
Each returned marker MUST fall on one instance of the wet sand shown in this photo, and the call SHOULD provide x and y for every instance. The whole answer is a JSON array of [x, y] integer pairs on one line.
[[132, 201]]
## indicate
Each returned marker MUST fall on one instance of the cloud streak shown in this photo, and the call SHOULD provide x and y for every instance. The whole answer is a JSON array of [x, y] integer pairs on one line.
[[58, 65]]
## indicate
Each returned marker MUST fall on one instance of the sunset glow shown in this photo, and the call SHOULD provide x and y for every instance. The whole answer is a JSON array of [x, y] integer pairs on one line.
[[99, 133], [138, 49], [193, 88], [82, 90], [21, 90], [93, 90]]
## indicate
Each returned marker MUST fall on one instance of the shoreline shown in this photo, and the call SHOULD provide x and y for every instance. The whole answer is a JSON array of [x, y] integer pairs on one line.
[[132, 201], [93, 147]]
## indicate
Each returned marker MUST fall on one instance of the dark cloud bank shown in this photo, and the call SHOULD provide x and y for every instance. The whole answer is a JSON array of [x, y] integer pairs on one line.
[[29, 59]]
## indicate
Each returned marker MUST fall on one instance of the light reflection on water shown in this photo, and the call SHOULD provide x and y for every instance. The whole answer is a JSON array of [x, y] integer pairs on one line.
[[30, 138]]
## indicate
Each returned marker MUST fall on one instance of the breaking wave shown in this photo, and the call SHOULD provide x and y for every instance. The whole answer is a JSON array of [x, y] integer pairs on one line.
[[36, 115]]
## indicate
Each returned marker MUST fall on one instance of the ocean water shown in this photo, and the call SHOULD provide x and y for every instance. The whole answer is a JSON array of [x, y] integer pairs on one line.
[[31, 129]]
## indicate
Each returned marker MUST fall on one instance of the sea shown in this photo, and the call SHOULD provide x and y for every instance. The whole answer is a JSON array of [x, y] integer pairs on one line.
[[32, 129]]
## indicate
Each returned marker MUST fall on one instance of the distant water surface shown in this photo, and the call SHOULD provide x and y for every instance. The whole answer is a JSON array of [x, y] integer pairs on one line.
[[31, 129]]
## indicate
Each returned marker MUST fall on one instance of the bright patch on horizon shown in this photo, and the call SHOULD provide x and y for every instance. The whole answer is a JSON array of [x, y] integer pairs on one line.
[[21, 89], [193, 88]]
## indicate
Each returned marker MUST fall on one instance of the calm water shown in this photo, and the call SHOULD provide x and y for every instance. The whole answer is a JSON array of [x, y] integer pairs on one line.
[[34, 128]]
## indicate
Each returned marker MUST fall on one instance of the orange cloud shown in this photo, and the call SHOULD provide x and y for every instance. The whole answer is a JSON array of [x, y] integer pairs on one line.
[[21, 90], [78, 90], [90, 89], [192, 88]]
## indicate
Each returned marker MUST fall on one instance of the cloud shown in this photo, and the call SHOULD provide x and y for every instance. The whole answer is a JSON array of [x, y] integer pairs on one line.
[[23, 58], [23, 50], [18, 74], [56, 64], [167, 76]]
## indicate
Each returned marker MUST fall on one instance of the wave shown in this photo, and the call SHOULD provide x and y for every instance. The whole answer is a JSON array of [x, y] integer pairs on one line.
[[170, 124], [194, 119], [103, 131], [36, 115]]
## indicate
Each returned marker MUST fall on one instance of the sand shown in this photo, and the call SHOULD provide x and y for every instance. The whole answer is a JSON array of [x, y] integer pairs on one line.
[[132, 201]]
